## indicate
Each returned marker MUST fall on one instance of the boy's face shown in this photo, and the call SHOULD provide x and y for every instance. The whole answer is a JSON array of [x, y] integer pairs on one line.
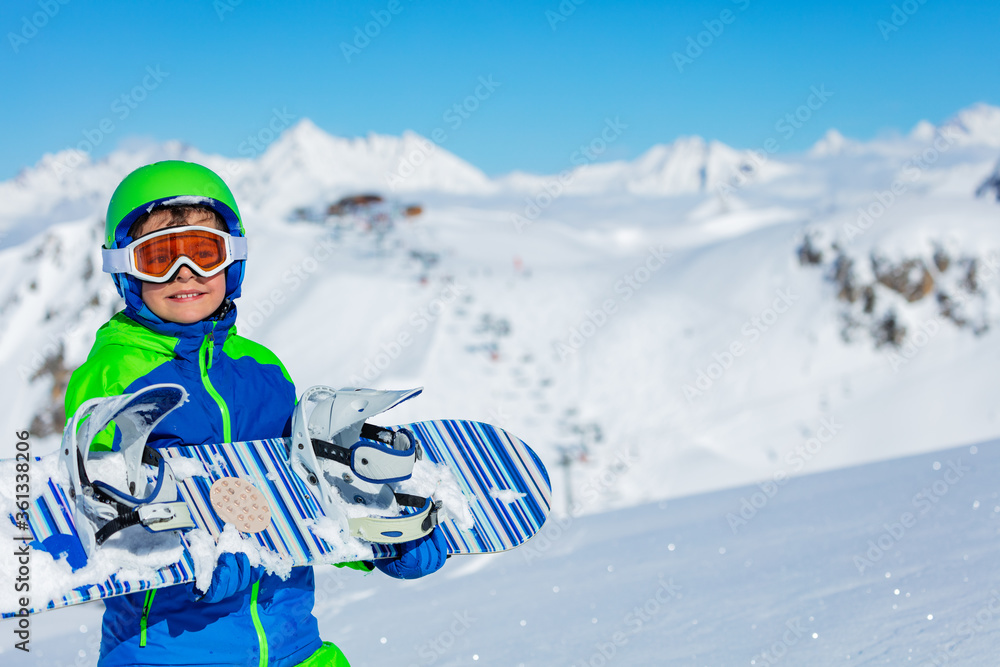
[[188, 297]]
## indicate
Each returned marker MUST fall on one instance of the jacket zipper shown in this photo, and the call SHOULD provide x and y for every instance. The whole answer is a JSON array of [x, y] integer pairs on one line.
[[205, 363]]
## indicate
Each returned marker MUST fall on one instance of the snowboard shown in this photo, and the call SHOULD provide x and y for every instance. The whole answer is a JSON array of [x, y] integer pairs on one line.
[[353, 493]]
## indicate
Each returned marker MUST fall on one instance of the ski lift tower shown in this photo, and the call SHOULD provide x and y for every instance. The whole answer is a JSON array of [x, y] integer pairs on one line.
[[568, 455], [588, 435]]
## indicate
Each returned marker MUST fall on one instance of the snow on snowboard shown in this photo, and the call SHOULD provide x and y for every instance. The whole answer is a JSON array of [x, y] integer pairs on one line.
[[97, 525]]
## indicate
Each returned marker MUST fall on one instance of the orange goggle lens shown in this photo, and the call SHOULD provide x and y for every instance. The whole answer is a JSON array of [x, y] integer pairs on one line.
[[156, 256]]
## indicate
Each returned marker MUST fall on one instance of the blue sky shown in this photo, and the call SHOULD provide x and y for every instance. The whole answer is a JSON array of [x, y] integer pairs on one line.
[[557, 72]]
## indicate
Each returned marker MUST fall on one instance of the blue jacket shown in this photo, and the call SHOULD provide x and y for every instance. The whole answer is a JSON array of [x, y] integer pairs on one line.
[[238, 391]]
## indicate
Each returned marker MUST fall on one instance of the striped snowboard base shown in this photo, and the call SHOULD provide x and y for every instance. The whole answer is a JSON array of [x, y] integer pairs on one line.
[[505, 485]]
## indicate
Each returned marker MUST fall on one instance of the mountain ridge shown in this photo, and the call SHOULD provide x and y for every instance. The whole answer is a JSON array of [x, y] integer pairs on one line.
[[304, 165]]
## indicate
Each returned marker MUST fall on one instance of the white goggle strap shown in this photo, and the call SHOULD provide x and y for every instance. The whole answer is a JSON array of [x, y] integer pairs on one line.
[[237, 247], [116, 260]]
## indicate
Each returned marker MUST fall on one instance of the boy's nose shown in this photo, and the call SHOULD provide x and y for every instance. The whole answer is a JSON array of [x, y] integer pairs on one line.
[[184, 273]]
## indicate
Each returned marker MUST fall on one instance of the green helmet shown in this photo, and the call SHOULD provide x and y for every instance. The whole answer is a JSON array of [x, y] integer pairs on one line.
[[156, 184], [169, 183]]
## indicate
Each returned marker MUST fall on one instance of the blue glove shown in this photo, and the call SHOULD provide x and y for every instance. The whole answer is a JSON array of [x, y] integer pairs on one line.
[[417, 558], [232, 575]]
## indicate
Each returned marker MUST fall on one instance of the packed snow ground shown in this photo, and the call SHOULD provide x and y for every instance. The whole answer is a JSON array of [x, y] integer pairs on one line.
[[888, 563]]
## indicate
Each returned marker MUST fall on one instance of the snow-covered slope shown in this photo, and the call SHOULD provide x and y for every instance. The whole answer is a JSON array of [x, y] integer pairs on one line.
[[698, 335], [890, 563]]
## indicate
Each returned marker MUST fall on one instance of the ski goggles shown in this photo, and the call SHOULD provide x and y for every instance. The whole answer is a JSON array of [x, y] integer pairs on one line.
[[157, 257]]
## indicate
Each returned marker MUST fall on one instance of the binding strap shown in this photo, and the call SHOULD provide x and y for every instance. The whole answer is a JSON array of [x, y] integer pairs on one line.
[[132, 511], [156, 517], [383, 456], [394, 530]]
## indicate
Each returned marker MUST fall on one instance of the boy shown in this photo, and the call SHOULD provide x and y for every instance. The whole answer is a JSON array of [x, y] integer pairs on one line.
[[176, 249]]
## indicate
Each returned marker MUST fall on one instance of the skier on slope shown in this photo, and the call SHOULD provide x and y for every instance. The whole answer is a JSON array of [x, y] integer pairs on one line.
[[183, 269]]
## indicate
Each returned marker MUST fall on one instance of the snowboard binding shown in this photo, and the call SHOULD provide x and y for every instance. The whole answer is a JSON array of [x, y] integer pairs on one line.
[[103, 509], [334, 451]]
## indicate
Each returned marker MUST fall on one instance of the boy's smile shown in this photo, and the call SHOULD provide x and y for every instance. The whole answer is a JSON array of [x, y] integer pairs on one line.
[[188, 297]]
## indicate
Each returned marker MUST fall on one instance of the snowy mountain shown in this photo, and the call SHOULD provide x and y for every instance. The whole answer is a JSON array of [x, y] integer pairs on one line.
[[978, 125], [689, 165], [303, 164], [699, 312], [68, 186], [697, 319]]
